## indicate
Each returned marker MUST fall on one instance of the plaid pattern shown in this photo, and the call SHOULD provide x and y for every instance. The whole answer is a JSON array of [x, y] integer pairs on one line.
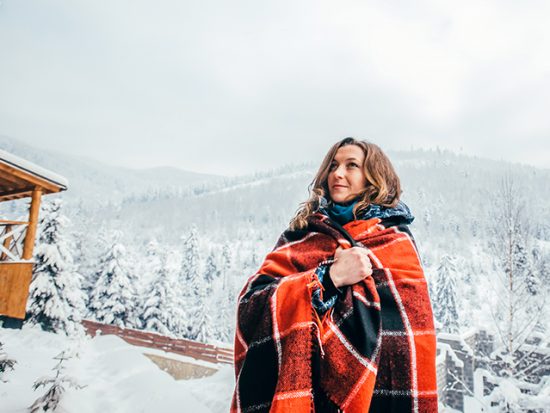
[[374, 350], [320, 303]]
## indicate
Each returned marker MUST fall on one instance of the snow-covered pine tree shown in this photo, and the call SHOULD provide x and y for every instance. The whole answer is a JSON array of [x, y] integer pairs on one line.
[[541, 262], [154, 256], [112, 299], [190, 282], [445, 300], [203, 317], [524, 265], [215, 294], [162, 312], [50, 400], [427, 219], [148, 267], [251, 262], [56, 301], [228, 297], [94, 253], [6, 363], [211, 272]]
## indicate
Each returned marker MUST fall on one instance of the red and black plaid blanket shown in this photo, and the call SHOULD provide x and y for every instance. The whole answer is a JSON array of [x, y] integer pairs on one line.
[[373, 351]]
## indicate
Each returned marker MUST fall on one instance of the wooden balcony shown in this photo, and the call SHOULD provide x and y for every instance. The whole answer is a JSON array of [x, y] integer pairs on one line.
[[20, 179], [15, 272]]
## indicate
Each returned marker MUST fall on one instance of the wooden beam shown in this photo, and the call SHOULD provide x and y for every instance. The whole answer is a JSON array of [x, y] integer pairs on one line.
[[29, 178], [15, 194], [8, 177], [15, 197], [33, 222], [8, 222]]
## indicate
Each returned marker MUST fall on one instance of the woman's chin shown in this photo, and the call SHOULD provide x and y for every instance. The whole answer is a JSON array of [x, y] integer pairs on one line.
[[342, 199]]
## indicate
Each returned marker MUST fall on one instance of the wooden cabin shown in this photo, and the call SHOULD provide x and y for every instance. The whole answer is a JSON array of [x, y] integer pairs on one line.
[[20, 179]]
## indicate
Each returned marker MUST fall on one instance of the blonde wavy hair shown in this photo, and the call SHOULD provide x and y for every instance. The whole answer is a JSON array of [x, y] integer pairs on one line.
[[383, 185]]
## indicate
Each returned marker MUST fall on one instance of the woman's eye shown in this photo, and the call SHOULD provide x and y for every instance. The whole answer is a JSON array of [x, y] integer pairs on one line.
[[353, 165], [332, 167]]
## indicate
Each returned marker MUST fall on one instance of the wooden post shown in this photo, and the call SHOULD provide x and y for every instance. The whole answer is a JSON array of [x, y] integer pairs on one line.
[[7, 242], [33, 221]]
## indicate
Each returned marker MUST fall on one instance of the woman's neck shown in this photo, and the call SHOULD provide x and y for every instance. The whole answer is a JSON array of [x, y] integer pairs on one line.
[[342, 212]]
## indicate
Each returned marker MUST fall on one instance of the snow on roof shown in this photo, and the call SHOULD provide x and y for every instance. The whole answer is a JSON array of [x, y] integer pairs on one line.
[[32, 168]]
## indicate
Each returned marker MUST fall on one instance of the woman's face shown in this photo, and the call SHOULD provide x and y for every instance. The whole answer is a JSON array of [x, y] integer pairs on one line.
[[346, 178]]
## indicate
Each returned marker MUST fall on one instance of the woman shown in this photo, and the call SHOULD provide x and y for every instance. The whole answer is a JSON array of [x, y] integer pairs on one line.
[[338, 316]]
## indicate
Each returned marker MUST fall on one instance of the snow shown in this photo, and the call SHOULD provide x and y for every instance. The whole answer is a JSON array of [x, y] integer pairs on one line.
[[447, 409], [238, 221], [446, 349], [27, 166], [472, 405], [116, 377], [460, 338]]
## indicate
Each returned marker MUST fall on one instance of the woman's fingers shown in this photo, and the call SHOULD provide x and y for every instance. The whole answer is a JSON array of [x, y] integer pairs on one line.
[[351, 265]]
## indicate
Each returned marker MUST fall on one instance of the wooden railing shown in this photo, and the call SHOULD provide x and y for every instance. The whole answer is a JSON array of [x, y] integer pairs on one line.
[[12, 237], [190, 348]]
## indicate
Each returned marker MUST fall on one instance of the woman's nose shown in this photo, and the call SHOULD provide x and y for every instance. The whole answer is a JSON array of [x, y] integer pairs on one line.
[[339, 172]]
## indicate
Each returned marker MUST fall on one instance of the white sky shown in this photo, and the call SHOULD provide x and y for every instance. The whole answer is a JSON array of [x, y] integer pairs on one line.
[[236, 86]]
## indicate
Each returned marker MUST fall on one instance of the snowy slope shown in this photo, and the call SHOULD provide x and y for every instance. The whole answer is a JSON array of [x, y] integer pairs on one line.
[[92, 180], [117, 377], [443, 190]]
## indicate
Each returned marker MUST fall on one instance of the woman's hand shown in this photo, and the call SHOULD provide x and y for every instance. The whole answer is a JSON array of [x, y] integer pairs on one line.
[[350, 266]]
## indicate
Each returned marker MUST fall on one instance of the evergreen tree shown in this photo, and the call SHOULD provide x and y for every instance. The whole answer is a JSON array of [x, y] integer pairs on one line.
[[56, 301], [427, 219], [203, 318], [113, 295], [95, 253], [162, 312], [148, 267], [190, 283], [228, 297], [211, 272], [6, 363], [445, 304], [153, 254], [227, 263], [215, 301], [191, 263], [523, 266], [50, 400], [251, 263]]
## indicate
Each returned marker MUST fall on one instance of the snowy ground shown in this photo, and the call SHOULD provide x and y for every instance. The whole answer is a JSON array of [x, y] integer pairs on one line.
[[117, 377]]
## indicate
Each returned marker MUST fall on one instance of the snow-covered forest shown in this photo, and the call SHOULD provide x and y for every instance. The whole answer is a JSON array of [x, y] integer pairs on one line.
[[141, 250]]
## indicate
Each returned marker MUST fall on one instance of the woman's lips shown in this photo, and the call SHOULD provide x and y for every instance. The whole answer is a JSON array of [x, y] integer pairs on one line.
[[338, 186]]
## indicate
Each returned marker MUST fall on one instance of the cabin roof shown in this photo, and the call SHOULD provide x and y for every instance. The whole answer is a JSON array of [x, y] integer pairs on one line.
[[18, 178]]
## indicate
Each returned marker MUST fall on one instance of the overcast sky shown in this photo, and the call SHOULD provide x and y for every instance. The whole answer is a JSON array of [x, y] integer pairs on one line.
[[236, 86]]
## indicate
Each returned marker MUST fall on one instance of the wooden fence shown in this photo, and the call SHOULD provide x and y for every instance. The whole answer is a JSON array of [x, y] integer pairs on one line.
[[190, 348]]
